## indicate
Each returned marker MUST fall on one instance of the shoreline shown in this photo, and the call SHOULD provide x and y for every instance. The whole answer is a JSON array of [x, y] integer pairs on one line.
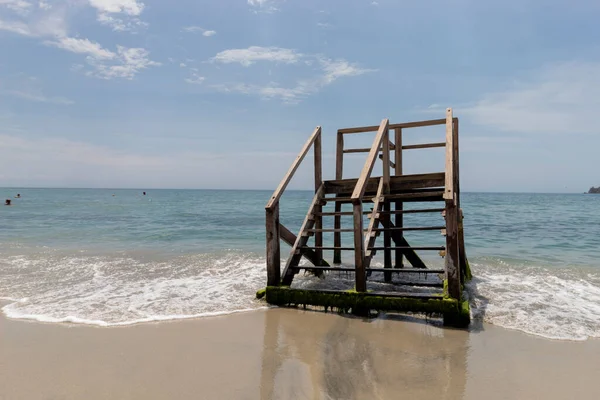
[[289, 353]]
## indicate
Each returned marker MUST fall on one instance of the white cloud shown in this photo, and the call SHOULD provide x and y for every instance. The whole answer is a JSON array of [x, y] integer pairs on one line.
[[38, 97], [335, 69], [560, 98], [128, 12], [195, 78], [182, 65], [127, 63], [44, 6], [18, 6], [128, 7], [83, 46], [37, 24], [16, 27], [198, 29], [324, 25], [252, 54]]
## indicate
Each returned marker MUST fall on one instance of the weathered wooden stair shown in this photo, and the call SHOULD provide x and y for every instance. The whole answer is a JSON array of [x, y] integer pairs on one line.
[[378, 228]]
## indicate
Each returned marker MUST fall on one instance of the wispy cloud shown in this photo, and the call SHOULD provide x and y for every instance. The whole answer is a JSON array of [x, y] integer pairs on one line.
[[24, 19], [327, 71], [18, 6], [560, 98], [253, 54], [127, 63], [30, 88], [198, 29], [195, 77], [82, 46], [263, 6]]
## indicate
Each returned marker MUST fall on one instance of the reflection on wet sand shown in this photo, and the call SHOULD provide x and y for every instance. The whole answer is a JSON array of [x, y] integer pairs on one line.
[[339, 357]]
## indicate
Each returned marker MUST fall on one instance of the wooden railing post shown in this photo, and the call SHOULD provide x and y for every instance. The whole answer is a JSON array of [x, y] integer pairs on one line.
[[386, 160], [337, 219], [273, 246], [359, 250], [318, 209], [452, 263], [399, 204]]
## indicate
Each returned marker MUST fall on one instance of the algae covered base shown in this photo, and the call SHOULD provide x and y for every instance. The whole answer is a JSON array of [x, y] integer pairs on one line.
[[455, 313]]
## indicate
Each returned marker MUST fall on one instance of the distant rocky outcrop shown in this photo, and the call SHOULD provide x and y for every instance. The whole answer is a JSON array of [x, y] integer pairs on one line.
[[595, 190]]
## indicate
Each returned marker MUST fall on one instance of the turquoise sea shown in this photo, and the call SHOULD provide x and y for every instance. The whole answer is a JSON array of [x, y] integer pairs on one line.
[[117, 257]]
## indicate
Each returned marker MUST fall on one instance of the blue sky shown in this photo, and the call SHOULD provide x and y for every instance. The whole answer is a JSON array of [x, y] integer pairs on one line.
[[222, 94]]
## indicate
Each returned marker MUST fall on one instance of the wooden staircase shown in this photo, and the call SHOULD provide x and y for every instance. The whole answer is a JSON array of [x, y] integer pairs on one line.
[[377, 217]]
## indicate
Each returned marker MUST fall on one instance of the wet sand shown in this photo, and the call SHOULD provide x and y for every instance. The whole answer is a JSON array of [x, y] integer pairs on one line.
[[290, 354]]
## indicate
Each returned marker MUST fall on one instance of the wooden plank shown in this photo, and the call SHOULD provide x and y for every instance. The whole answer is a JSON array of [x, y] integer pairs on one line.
[[327, 248], [373, 128], [339, 157], [359, 251], [273, 246], [294, 257], [462, 254], [398, 205], [416, 295], [359, 150], [415, 196], [452, 257], [456, 163], [288, 176], [423, 146], [449, 187], [288, 237], [361, 185], [318, 208]]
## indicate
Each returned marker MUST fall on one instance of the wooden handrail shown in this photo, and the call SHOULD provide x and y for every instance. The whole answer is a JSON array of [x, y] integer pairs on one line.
[[288, 176], [450, 164], [373, 128], [361, 185]]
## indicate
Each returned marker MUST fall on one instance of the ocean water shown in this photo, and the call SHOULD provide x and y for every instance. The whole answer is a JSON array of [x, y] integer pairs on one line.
[[116, 257]]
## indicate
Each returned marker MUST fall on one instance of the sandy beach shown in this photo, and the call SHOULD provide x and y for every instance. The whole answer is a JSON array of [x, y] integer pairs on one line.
[[290, 354]]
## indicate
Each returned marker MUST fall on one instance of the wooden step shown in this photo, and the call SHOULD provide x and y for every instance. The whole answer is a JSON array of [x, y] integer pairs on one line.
[[423, 210], [365, 199], [413, 295], [437, 248], [436, 195], [412, 228], [394, 270]]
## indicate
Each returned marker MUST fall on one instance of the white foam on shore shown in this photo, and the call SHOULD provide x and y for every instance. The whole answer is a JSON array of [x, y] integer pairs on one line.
[[106, 291], [554, 303]]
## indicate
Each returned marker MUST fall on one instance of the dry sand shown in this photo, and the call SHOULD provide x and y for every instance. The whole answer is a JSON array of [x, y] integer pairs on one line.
[[290, 354]]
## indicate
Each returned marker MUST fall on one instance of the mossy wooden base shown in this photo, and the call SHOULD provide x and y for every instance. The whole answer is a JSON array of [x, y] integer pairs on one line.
[[455, 313]]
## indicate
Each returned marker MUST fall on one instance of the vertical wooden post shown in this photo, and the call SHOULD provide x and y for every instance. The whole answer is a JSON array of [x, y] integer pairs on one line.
[[452, 250], [456, 160], [273, 249], [398, 204], [387, 243], [337, 220], [359, 250], [318, 209], [386, 161]]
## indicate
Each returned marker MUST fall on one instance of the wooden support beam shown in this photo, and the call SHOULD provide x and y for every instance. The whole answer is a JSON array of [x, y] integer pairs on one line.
[[273, 247], [288, 237], [452, 263], [288, 176], [386, 161], [359, 251], [400, 241]]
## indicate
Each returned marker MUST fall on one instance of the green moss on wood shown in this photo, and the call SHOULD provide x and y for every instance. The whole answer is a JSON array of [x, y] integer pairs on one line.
[[468, 274], [344, 301], [261, 293]]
